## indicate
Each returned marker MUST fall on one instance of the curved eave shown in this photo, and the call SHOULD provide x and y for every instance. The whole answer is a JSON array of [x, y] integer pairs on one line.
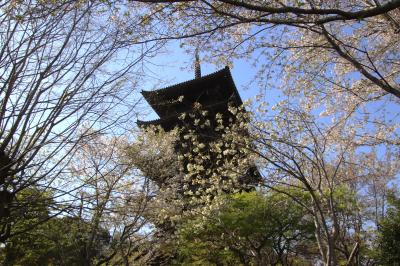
[[157, 122], [141, 123]]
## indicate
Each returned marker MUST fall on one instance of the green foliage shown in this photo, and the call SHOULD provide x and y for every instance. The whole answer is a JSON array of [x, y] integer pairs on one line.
[[389, 238], [195, 252], [249, 228], [59, 241], [38, 239]]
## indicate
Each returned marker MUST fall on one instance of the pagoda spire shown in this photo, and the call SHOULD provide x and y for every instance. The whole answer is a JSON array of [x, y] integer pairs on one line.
[[197, 68]]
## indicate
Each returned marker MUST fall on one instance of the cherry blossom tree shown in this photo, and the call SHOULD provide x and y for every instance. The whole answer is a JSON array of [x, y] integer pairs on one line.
[[338, 58], [110, 196], [323, 169], [65, 69]]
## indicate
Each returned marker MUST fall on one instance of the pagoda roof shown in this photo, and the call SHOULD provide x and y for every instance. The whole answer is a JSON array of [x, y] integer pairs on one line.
[[161, 98], [165, 123]]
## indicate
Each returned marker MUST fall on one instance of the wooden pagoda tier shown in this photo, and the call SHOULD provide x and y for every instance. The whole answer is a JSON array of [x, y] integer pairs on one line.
[[213, 92]]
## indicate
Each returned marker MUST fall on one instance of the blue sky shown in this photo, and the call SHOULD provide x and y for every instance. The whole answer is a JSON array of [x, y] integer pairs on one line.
[[175, 66]]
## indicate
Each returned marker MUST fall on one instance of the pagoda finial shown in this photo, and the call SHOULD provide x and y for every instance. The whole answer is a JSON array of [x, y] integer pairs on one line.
[[197, 68]]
